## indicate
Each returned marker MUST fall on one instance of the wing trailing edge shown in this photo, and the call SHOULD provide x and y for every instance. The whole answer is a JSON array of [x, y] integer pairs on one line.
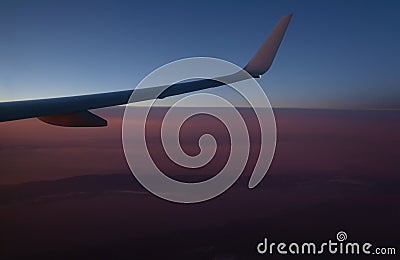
[[78, 119]]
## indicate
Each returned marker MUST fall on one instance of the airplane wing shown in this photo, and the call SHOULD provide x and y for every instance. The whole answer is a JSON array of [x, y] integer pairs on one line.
[[74, 111]]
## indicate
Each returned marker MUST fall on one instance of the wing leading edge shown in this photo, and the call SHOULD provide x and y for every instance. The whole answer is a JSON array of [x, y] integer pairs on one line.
[[73, 111]]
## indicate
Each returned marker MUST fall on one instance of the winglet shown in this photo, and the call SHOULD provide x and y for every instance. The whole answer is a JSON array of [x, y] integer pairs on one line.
[[264, 57]]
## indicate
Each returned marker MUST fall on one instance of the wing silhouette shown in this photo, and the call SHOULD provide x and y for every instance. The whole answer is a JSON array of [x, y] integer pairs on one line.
[[73, 111]]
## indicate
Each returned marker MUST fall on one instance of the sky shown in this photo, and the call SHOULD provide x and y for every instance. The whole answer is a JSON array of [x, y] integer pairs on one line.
[[333, 169], [336, 54]]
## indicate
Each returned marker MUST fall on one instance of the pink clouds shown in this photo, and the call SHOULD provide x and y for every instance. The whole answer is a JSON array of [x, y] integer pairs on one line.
[[308, 140]]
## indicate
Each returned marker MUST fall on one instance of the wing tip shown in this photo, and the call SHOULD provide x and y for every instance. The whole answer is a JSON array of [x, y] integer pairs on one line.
[[262, 60]]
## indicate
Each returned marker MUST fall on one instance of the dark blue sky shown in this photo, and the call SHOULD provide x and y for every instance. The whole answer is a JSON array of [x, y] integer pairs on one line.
[[335, 54]]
